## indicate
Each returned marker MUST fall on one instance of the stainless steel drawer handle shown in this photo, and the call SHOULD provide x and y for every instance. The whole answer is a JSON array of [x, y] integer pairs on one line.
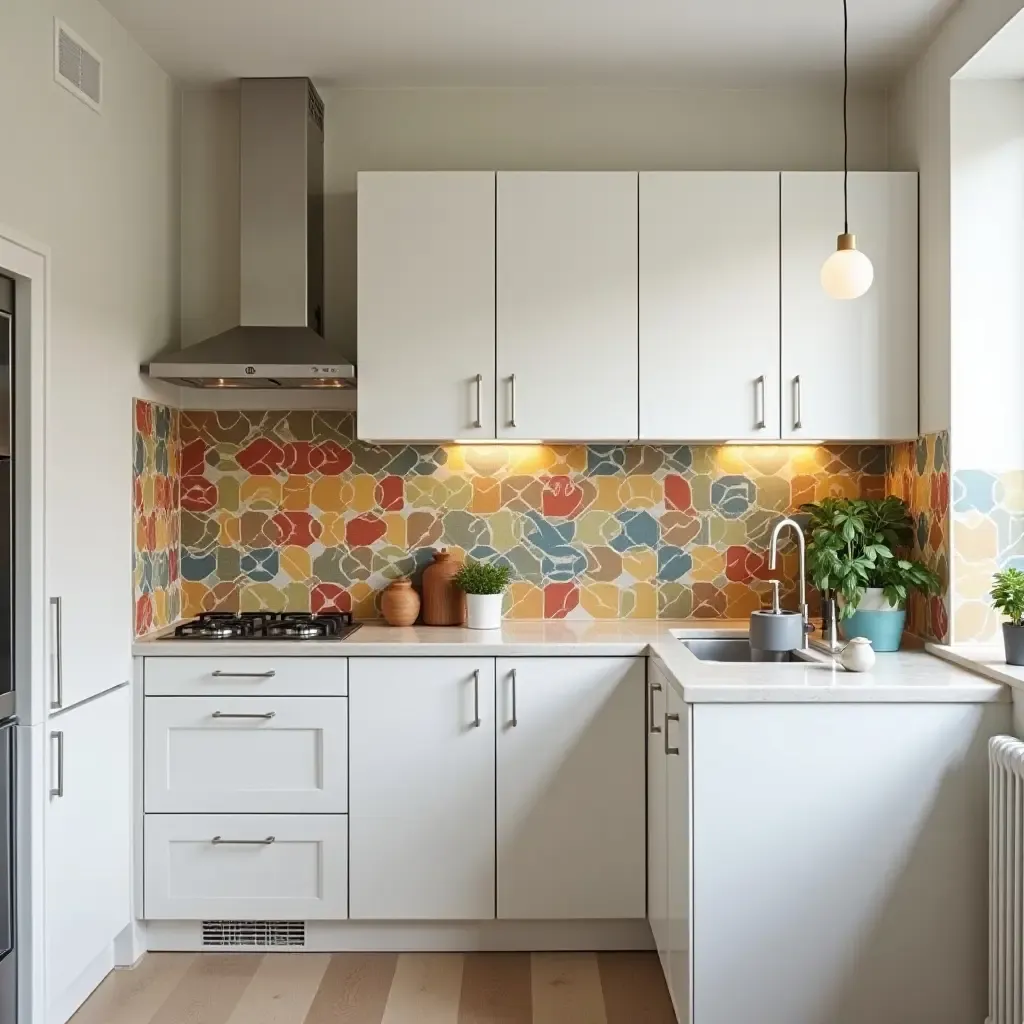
[[479, 421], [759, 409], [219, 674], [515, 719], [58, 789], [512, 416], [798, 416], [476, 698], [58, 654], [655, 688], [221, 841], [670, 718], [229, 714]]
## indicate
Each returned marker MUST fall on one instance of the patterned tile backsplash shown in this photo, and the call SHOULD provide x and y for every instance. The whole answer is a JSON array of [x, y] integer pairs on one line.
[[156, 499], [286, 510]]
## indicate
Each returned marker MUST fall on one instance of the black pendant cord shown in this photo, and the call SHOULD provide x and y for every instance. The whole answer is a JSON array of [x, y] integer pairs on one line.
[[846, 132]]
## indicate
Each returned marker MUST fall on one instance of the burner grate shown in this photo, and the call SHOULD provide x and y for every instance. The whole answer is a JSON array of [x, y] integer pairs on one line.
[[267, 626]]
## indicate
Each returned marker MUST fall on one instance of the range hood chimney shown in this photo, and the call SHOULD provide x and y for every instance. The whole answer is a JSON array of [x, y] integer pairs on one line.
[[279, 343]]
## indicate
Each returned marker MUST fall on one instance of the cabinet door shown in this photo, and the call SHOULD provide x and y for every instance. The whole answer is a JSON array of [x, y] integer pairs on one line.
[[567, 306], [87, 837], [679, 747], [571, 829], [849, 367], [425, 305], [421, 792], [657, 812], [709, 305]]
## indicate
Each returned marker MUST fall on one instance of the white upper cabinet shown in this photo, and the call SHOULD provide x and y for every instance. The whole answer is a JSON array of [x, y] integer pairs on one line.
[[567, 305], [849, 368], [709, 305], [426, 305]]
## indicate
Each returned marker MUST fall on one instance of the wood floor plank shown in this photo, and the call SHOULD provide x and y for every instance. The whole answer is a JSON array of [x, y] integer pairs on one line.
[[634, 989], [209, 990], [282, 990], [134, 996], [496, 989], [425, 989], [354, 989], [566, 988]]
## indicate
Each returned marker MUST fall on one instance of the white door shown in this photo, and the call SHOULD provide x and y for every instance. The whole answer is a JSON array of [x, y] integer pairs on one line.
[[567, 305], [679, 750], [87, 837], [849, 367], [571, 828], [657, 813], [421, 795], [709, 305], [425, 305]]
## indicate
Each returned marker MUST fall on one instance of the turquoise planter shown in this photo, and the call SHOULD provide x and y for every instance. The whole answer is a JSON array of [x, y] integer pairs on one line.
[[883, 629]]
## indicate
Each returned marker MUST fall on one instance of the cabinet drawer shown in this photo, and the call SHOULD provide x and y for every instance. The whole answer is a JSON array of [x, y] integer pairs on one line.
[[274, 755], [246, 866], [226, 676]]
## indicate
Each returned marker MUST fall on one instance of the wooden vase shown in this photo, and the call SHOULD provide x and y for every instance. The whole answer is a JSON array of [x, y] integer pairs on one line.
[[400, 604], [443, 603]]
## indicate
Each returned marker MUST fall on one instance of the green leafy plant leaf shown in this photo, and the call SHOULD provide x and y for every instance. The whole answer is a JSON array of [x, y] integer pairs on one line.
[[1008, 594], [483, 577]]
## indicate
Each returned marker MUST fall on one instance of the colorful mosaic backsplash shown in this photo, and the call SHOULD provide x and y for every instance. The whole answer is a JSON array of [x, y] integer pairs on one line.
[[285, 510], [156, 498], [919, 474]]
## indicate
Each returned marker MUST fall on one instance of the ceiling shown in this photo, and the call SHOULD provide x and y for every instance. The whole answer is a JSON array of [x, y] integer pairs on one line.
[[527, 42]]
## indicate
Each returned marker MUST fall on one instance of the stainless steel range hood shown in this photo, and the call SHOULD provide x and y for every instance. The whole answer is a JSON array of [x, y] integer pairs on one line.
[[279, 343]]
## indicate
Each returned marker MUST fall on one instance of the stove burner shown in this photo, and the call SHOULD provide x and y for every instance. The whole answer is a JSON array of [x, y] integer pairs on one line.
[[267, 626]]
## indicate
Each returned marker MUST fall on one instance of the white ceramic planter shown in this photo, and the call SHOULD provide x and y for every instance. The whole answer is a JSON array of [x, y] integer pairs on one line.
[[874, 600], [483, 611]]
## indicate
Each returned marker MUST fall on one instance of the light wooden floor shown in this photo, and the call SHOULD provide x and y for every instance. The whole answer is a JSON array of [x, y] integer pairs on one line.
[[384, 988]]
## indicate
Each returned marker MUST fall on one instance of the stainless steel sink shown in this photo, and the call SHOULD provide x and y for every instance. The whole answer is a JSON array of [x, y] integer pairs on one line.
[[735, 649]]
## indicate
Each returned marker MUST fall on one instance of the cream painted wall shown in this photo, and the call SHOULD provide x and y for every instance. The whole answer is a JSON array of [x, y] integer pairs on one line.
[[423, 129], [101, 191], [920, 139]]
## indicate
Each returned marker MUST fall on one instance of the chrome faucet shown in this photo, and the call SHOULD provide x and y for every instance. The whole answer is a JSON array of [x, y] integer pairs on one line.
[[773, 552]]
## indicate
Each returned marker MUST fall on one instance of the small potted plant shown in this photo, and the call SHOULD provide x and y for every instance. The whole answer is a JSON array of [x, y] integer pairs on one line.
[[484, 585], [856, 551], [1008, 598]]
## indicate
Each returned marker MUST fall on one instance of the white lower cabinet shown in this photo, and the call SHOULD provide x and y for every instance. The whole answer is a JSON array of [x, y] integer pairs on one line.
[[422, 788], [271, 866], [571, 830], [678, 747], [657, 813], [87, 839]]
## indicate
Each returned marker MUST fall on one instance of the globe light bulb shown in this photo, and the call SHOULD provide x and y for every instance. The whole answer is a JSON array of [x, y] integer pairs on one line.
[[847, 273]]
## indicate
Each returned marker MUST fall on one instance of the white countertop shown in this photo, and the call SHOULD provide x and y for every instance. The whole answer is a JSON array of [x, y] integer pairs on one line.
[[904, 677]]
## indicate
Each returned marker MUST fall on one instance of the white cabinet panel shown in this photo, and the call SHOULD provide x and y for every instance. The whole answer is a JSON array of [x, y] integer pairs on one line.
[[425, 305], [657, 813], [679, 751], [571, 822], [709, 305], [87, 831], [567, 305], [422, 788], [241, 677], [246, 866], [849, 367], [284, 755]]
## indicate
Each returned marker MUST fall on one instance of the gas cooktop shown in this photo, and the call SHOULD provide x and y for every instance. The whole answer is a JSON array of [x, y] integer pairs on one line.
[[266, 626]]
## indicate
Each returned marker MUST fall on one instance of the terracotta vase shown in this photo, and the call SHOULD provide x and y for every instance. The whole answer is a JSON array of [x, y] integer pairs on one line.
[[443, 603], [400, 604]]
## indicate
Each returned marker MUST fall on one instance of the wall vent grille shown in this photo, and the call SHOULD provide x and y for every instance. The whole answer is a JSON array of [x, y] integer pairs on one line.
[[76, 66], [254, 933]]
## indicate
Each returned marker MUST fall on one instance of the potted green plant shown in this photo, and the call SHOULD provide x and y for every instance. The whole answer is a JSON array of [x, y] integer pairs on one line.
[[1008, 599], [857, 551], [484, 585]]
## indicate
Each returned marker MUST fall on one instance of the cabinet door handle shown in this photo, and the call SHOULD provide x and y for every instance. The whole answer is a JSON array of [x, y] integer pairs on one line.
[[512, 386], [218, 674], [759, 409], [58, 789], [479, 421], [476, 698], [58, 654], [670, 718], [798, 417], [221, 841], [229, 714], [515, 720], [654, 687]]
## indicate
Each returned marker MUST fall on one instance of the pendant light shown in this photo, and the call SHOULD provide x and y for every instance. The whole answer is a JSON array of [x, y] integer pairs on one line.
[[847, 273]]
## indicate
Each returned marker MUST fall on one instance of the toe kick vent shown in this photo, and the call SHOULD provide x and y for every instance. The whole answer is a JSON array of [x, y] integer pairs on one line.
[[254, 933]]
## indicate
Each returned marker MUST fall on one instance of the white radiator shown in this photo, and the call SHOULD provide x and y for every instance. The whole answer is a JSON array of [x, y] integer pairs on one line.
[[1006, 881]]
